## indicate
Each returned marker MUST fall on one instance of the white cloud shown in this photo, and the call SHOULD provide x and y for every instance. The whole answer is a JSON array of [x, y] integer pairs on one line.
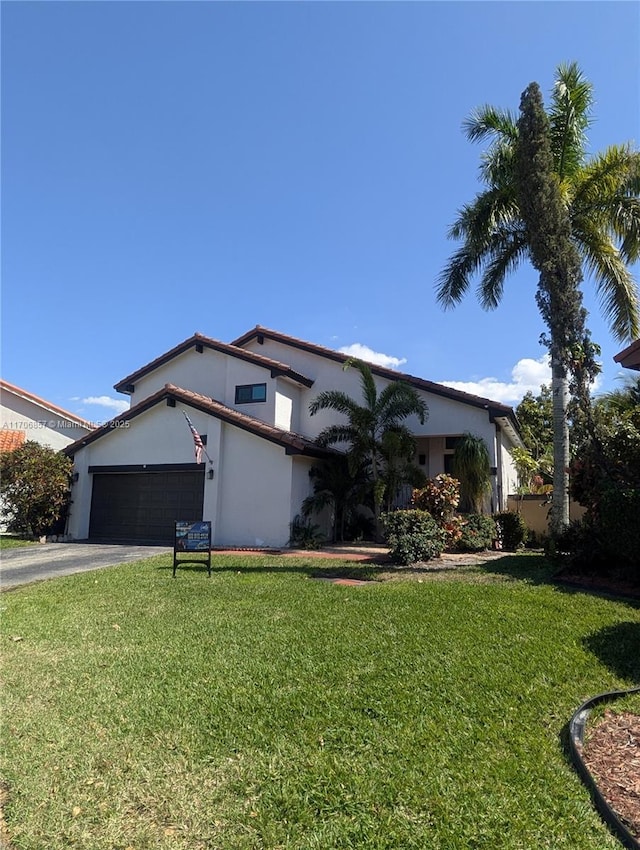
[[118, 405], [363, 352], [527, 375]]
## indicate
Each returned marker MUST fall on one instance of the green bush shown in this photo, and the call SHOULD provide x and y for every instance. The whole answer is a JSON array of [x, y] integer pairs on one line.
[[304, 535], [606, 541], [512, 530], [35, 488], [413, 536], [478, 533], [618, 514]]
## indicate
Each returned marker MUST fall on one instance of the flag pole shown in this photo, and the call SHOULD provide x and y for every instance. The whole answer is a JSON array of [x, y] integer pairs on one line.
[[199, 446]]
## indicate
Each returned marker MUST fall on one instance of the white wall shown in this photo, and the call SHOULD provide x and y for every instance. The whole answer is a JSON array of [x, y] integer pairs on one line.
[[40, 424], [203, 373], [254, 507]]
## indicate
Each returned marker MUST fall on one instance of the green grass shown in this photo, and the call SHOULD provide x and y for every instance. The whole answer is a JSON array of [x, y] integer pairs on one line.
[[259, 709], [12, 541]]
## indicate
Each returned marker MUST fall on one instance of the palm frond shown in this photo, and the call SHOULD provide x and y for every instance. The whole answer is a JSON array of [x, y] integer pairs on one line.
[[490, 122], [510, 250], [569, 118], [616, 288], [333, 434], [332, 400], [491, 220], [396, 402]]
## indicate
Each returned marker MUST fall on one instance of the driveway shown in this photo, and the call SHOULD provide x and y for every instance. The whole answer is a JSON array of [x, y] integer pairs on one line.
[[26, 564]]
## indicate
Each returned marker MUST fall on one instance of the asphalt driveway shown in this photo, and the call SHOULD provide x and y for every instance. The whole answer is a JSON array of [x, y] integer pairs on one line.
[[26, 564]]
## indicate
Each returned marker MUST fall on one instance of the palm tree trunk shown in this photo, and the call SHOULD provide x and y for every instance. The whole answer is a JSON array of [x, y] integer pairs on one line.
[[560, 393]]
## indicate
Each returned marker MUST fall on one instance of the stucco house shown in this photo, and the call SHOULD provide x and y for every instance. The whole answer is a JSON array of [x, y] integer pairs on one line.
[[249, 402], [27, 417]]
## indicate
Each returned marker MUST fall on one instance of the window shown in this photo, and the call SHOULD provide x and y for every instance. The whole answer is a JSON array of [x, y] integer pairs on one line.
[[248, 393]]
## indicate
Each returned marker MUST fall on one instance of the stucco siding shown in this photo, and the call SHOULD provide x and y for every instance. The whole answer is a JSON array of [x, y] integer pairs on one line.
[[254, 506], [203, 373], [39, 424]]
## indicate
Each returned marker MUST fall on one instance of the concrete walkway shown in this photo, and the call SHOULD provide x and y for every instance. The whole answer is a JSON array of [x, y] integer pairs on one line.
[[26, 564]]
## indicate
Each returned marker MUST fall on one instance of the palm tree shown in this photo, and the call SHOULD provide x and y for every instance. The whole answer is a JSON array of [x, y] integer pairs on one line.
[[472, 468], [368, 427], [601, 198], [339, 486]]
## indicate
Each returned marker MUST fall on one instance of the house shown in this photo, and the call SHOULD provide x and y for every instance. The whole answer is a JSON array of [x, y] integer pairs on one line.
[[249, 402], [27, 417], [629, 357]]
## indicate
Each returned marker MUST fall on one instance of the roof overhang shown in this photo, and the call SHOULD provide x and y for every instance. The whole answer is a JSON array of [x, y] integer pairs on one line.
[[629, 357]]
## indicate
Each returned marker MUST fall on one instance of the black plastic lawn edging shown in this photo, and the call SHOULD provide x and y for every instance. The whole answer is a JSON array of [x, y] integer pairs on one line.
[[576, 740]]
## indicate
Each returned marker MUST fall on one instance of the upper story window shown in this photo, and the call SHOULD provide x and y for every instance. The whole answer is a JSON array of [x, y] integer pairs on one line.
[[248, 393]]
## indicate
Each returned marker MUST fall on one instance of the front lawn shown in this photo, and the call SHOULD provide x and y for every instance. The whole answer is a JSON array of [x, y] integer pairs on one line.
[[12, 541], [260, 709]]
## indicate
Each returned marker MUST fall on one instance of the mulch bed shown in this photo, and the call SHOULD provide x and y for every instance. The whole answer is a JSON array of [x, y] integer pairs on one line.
[[612, 754]]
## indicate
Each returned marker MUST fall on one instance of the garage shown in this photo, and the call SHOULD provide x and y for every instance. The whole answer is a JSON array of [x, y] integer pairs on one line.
[[142, 506]]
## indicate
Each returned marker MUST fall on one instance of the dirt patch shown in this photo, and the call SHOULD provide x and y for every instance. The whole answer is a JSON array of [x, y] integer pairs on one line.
[[5, 841], [612, 754], [612, 584]]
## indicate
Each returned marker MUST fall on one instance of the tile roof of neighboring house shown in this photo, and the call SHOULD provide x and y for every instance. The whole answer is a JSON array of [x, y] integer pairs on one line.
[[5, 386], [291, 442], [10, 440], [495, 408], [630, 356], [275, 367]]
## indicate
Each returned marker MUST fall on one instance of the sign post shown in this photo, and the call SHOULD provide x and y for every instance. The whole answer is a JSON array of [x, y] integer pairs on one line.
[[192, 537]]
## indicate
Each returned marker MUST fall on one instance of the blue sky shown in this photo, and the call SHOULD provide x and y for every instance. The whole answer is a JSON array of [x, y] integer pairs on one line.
[[171, 167]]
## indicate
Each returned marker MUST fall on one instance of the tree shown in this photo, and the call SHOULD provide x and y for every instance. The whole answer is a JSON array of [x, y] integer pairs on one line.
[[596, 212], [554, 255], [535, 418], [339, 486], [35, 486], [606, 480], [372, 427], [472, 468]]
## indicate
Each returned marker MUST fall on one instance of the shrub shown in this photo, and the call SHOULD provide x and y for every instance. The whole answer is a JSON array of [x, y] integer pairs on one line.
[[35, 488], [478, 533], [412, 536], [440, 497], [512, 530], [452, 527], [304, 535]]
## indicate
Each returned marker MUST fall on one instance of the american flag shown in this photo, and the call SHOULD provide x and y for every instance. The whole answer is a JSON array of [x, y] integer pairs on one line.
[[198, 445]]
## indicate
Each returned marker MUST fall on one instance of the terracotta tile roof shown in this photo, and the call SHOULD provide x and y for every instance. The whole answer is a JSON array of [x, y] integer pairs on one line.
[[274, 366], [5, 386], [292, 443], [10, 440], [495, 408], [630, 356]]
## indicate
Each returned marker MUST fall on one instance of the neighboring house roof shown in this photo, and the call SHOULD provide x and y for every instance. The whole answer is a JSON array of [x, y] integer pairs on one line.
[[10, 440], [291, 442], [5, 386], [497, 411], [630, 356], [277, 369]]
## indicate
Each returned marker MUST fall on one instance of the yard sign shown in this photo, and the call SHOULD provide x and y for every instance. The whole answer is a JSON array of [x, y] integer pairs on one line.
[[192, 537]]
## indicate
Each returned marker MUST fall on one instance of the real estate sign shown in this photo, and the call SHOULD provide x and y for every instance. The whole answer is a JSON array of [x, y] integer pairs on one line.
[[192, 537]]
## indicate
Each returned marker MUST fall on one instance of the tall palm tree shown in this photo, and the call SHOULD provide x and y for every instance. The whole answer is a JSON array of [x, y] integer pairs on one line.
[[369, 426], [601, 198]]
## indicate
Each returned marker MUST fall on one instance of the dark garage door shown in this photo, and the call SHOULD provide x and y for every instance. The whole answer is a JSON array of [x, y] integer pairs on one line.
[[143, 506]]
